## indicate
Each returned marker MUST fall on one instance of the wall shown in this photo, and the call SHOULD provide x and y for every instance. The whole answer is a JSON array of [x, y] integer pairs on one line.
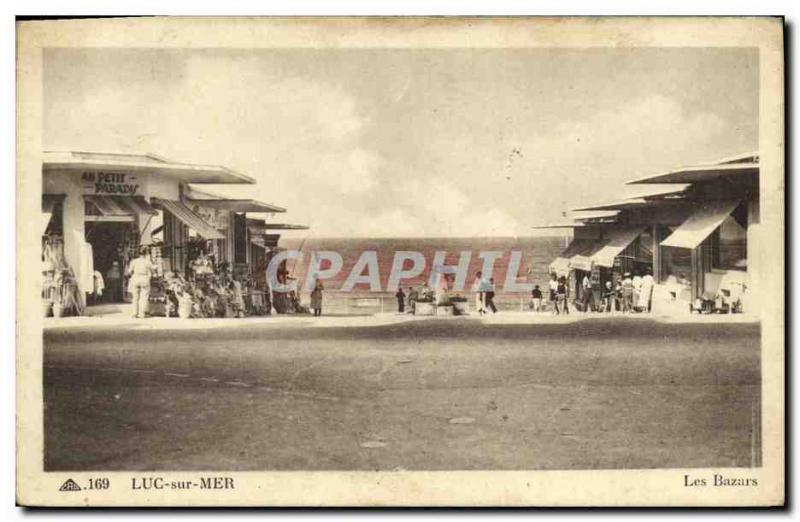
[[163, 187], [68, 183], [754, 261]]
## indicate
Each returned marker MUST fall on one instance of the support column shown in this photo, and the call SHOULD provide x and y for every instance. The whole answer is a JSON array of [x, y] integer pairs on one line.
[[657, 268]]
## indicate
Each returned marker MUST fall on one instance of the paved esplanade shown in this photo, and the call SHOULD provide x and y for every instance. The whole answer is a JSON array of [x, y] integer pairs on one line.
[[451, 393]]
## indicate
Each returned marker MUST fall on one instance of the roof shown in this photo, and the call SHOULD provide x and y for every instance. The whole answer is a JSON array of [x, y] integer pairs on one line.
[[618, 205], [643, 198], [150, 163], [262, 226], [283, 226], [742, 157], [699, 173], [588, 216], [560, 225], [211, 200], [236, 205], [673, 190]]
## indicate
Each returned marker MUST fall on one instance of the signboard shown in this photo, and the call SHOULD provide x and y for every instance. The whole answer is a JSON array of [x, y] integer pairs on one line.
[[113, 183], [271, 240], [216, 217]]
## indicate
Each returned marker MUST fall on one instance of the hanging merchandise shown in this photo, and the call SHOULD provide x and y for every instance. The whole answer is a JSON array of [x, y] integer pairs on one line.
[[156, 257], [53, 252]]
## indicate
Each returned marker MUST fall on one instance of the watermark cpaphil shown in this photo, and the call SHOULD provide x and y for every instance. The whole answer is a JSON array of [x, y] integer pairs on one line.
[[405, 266]]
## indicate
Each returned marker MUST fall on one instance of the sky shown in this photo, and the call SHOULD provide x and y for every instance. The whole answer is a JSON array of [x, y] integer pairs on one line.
[[399, 142]]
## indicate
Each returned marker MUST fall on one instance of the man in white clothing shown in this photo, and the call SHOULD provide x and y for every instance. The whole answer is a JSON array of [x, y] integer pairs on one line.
[[140, 271]]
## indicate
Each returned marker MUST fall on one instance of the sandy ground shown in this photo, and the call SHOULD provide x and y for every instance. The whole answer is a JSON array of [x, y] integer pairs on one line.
[[428, 394]]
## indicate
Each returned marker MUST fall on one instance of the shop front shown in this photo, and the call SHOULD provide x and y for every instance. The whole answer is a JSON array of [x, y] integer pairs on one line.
[[97, 211], [713, 240], [263, 244], [699, 238], [603, 253]]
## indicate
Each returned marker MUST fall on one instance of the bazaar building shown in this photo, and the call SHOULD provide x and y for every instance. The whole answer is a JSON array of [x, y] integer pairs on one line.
[[99, 208], [697, 233]]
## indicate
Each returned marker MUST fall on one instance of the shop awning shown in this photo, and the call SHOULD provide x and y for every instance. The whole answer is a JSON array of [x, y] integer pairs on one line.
[[121, 205], [581, 263], [560, 266], [701, 224], [139, 205], [238, 205], [576, 255], [191, 219], [260, 226], [49, 202], [617, 241]]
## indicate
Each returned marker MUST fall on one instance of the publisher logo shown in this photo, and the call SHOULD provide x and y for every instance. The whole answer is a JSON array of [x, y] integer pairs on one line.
[[69, 485]]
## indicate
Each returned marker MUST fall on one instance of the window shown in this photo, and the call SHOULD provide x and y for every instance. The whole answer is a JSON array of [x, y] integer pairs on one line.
[[729, 245], [676, 262]]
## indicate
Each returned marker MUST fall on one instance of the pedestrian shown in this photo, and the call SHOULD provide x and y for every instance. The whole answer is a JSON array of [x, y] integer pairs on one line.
[[627, 293], [480, 294], [554, 293], [648, 283], [114, 283], [490, 296], [316, 298], [536, 299], [140, 271], [586, 292], [401, 300], [562, 295], [597, 294], [638, 303], [413, 295], [609, 297]]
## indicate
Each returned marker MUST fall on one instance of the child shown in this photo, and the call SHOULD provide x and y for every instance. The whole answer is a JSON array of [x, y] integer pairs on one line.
[[536, 299], [562, 294]]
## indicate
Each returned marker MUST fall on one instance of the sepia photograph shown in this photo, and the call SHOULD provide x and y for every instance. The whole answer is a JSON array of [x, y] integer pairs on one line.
[[402, 258]]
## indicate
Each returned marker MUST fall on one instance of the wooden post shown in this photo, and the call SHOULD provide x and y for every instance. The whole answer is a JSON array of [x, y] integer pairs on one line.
[[657, 269]]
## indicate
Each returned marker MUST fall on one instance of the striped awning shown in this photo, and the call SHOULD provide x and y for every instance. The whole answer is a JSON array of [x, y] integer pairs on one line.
[[121, 205], [191, 219], [560, 266], [580, 262], [701, 224], [576, 256], [617, 241]]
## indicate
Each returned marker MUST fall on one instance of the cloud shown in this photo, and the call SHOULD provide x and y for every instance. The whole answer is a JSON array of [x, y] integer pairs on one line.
[[377, 146]]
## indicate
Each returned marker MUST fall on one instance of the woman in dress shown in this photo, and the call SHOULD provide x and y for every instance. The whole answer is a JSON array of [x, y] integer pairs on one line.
[[316, 298]]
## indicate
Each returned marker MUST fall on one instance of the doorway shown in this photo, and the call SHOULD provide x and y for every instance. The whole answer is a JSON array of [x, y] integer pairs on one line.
[[110, 242]]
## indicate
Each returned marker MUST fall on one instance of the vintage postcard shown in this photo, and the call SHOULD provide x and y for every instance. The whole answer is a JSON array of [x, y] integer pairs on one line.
[[400, 262]]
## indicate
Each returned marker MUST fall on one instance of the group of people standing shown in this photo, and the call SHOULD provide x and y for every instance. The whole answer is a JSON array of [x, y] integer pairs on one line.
[[630, 293], [484, 294], [559, 295]]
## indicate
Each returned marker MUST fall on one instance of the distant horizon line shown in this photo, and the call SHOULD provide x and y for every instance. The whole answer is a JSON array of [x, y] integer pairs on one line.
[[427, 237]]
